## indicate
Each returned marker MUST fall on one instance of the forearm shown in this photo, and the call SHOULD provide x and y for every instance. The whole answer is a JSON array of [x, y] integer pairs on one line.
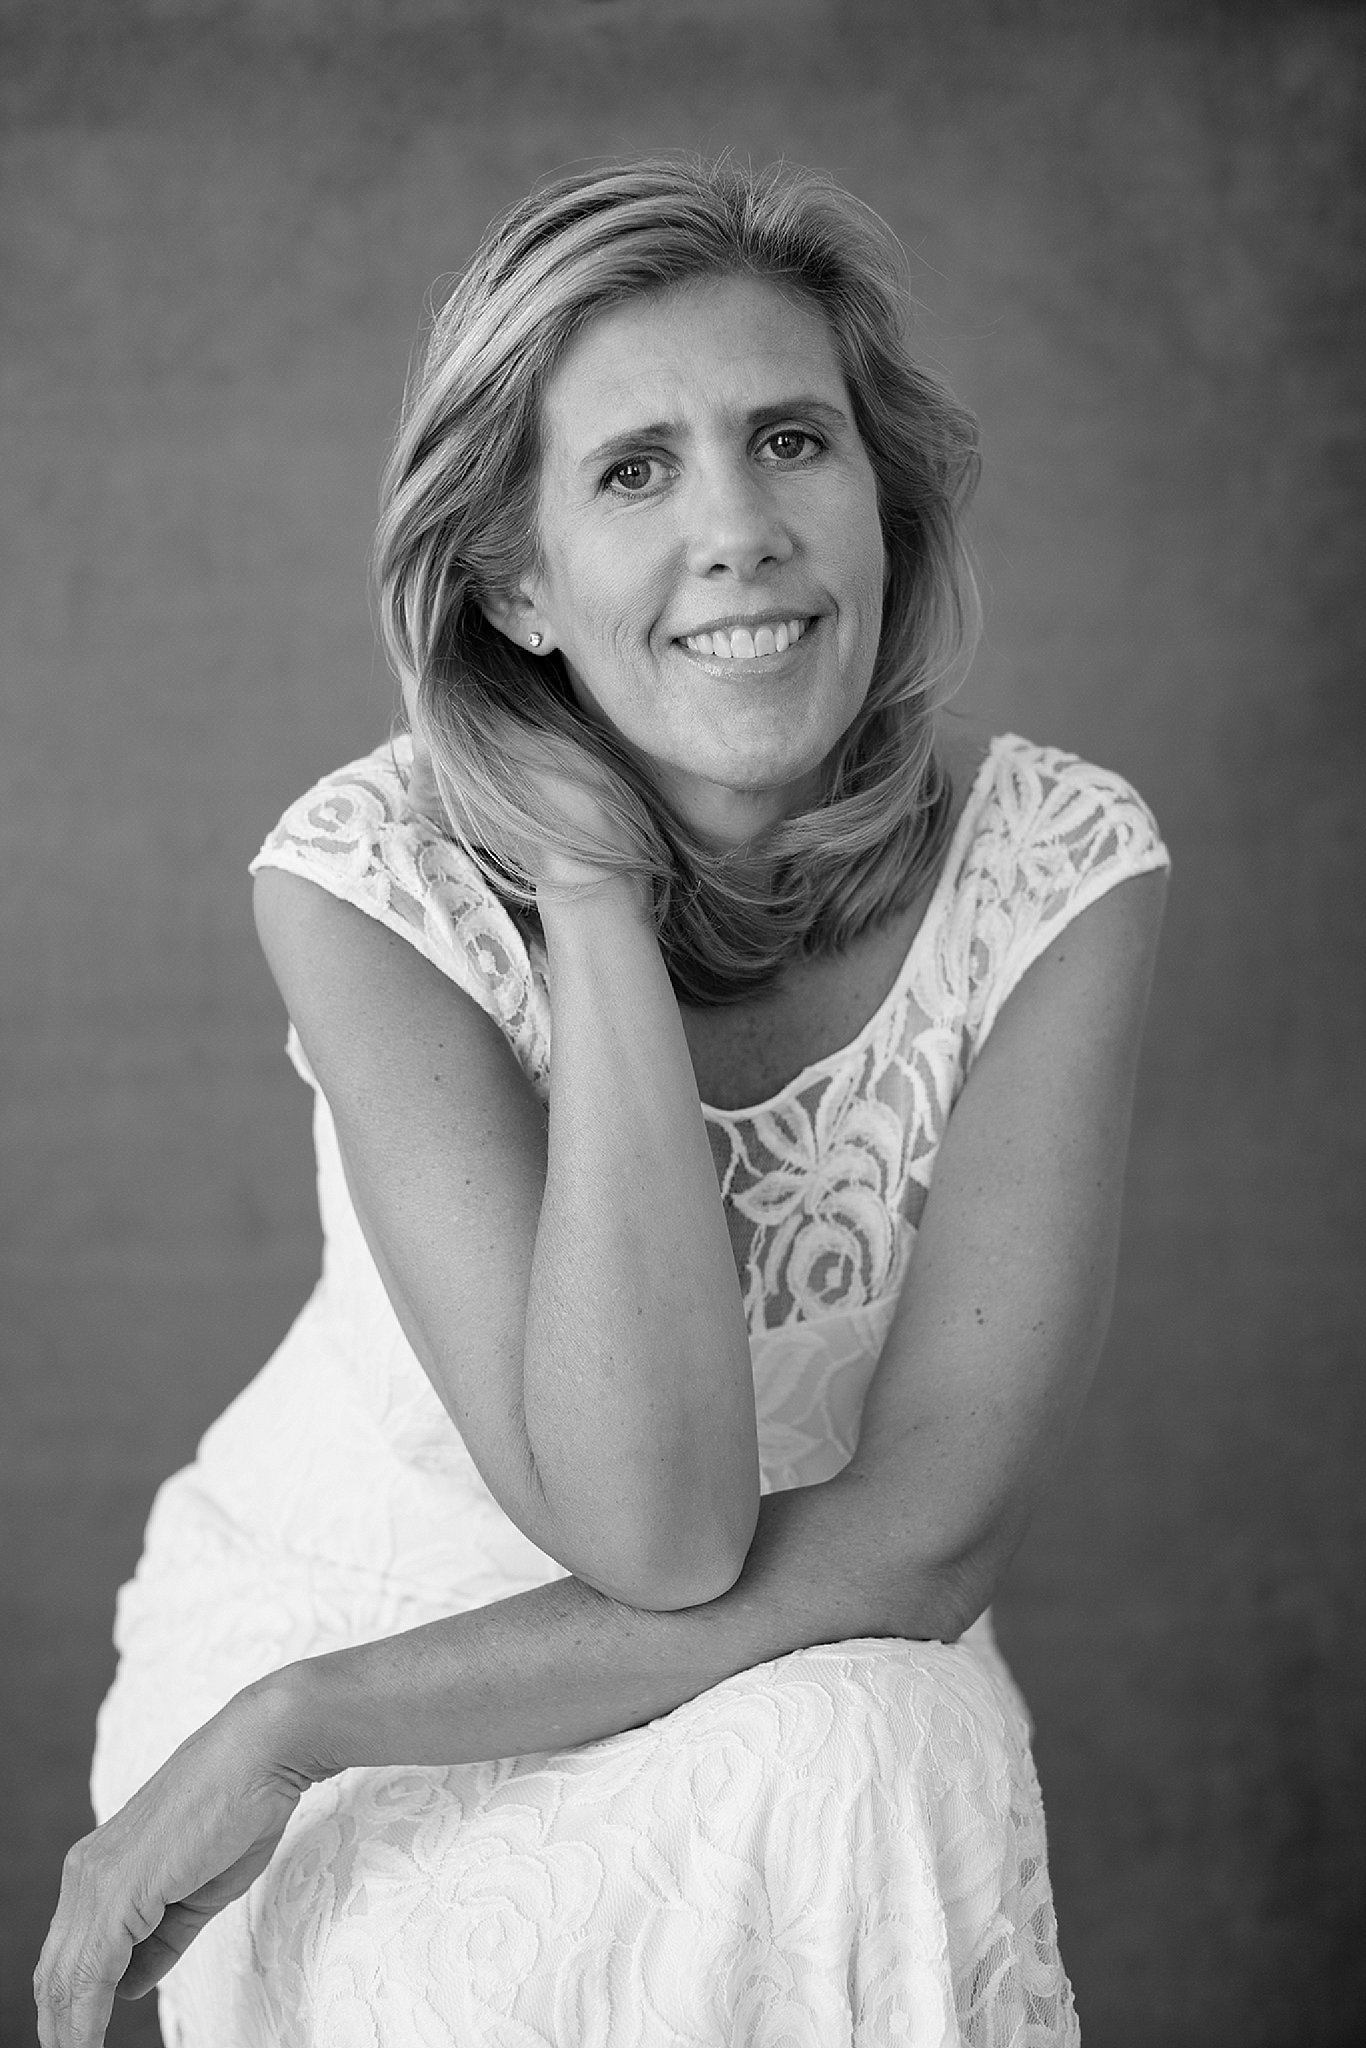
[[564, 1665], [637, 1386]]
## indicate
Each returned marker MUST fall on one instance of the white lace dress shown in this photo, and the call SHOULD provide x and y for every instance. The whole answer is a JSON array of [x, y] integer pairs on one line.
[[845, 1845]]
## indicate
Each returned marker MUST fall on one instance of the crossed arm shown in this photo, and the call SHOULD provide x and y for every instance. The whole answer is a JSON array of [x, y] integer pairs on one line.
[[533, 1257]]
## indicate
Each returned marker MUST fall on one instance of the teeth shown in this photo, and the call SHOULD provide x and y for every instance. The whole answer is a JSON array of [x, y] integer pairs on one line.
[[739, 644]]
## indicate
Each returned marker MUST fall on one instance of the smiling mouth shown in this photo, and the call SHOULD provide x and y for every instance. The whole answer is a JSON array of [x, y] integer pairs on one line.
[[739, 643]]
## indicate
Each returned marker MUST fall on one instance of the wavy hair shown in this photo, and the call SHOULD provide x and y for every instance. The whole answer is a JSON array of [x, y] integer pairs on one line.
[[458, 526]]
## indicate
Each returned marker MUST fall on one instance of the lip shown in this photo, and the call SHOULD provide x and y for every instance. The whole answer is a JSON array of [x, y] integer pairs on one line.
[[750, 620]]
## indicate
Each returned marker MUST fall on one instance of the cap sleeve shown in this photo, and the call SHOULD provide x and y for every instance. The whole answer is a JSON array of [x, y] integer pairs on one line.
[[1058, 834], [357, 835]]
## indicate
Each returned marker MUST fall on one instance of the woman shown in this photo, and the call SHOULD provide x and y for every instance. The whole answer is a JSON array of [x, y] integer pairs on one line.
[[578, 1632]]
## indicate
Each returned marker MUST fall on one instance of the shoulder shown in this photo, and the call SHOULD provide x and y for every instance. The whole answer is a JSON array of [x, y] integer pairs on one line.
[[1026, 801], [360, 832], [362, 835], [1045, 795], [1042, 836]]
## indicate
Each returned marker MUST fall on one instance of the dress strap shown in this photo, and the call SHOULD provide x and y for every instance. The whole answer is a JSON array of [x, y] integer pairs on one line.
[[1056, 835], [357, 835]]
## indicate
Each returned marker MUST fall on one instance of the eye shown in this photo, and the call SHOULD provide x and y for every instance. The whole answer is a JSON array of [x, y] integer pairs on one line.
[[789, 446], [635, 477]]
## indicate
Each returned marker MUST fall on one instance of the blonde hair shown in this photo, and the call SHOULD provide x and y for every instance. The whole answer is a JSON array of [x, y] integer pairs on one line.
[[458, 526]]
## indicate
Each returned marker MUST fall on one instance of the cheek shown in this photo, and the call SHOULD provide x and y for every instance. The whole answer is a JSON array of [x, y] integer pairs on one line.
[[609, 606], [867, 569], [874, 545], [861, 550], [608, 658], [620, 616]]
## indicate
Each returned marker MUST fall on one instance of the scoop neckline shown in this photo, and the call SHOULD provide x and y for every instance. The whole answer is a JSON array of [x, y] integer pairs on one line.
[[979, 789]]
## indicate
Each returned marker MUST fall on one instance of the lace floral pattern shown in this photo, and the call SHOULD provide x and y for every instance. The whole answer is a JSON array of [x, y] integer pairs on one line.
[[660, 1888], [357, 834], [824, 1185], [846, 1845]]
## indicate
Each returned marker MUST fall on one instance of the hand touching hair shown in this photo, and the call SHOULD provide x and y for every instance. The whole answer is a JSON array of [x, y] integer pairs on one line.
[[459, 527]]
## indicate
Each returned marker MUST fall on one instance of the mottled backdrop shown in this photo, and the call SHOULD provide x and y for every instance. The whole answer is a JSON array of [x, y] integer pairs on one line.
[[1137, 231]]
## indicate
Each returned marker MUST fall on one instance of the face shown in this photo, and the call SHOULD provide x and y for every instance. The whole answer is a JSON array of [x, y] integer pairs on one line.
[[711, 552]]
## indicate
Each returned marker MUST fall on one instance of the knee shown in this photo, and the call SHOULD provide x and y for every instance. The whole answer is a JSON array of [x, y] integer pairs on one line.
[[902, 1707], [874, 1676]]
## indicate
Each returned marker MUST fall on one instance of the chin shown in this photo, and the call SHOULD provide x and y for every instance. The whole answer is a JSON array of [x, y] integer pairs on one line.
[[785, 767]]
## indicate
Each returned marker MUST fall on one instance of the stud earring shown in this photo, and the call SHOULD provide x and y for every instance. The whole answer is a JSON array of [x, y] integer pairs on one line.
[[535, 638]]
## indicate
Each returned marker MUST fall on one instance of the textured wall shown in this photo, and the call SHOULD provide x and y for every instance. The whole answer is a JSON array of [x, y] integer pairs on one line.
[[1138, 230]]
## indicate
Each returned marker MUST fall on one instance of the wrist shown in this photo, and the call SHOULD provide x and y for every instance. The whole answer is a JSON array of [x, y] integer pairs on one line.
[[575, 898], [288, 1709]]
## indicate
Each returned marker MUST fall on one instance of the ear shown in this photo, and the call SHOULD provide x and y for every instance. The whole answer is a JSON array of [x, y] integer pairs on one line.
[[516, 614]]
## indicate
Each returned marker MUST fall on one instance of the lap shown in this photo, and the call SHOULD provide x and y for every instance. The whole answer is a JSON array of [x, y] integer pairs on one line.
[[836, 1846], [812, 1851]]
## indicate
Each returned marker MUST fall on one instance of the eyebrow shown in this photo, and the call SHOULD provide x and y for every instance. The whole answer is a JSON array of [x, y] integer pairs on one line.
[[674, 430]]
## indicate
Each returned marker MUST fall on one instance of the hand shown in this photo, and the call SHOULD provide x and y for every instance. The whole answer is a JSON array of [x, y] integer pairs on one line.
[[137, 1891], [572, 793]]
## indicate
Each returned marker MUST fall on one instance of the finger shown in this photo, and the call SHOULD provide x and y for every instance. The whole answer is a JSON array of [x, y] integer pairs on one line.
[[163, 1945], [161, 1950], [73, 2006], [424, 793], [82, 1960]]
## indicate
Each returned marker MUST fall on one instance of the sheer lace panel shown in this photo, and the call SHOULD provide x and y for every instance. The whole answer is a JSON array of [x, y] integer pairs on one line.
[[825, 1183]]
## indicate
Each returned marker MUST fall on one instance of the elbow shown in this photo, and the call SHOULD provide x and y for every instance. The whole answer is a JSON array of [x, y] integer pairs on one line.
[[673, 1592], [957, 1588], [681, 1541], [932, 1596], [666, 1571], [954, 1606]]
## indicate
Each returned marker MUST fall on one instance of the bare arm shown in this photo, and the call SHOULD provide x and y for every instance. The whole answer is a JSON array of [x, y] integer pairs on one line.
[[637, 1382], [985, 1368], [570, 1292], [994, 1343]]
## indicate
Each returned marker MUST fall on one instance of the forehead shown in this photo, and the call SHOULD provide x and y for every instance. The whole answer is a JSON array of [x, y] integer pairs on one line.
[[721, 344]]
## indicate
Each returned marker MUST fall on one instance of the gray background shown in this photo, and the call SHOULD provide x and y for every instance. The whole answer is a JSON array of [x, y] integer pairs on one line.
[[1138, 232]]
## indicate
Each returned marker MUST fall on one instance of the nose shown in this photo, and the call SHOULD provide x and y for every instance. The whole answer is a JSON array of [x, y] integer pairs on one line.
[[734, 525]]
